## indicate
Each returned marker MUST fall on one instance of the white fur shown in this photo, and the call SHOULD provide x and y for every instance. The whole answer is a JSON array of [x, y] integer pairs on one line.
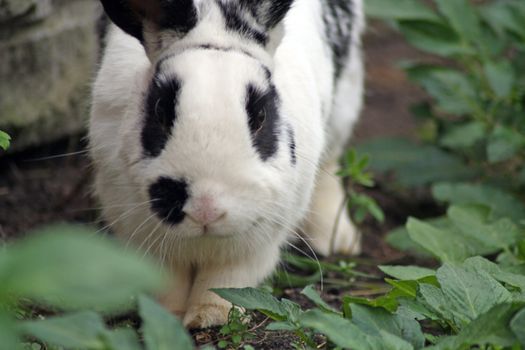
[[211, 145]]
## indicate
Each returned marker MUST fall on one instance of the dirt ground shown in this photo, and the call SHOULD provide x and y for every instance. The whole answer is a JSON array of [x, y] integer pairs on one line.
[[52, 183]]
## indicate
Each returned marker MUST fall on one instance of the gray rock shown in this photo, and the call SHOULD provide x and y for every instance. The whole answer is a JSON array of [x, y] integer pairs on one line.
[[47, 61]]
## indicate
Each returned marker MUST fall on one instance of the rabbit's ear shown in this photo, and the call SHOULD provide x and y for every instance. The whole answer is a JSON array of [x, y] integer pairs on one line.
[[133, 16]]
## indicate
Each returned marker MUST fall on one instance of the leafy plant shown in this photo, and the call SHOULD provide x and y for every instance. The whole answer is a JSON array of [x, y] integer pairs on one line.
[[355, 174], [5, 140], [70, 269]]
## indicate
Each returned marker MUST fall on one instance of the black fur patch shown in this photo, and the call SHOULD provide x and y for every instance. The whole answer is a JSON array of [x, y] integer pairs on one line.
[[121, 13], [179, 15], [263, 118], [160, 110], [292, 145], [233, 15], [338, 16], [253, 18], [168, 199]]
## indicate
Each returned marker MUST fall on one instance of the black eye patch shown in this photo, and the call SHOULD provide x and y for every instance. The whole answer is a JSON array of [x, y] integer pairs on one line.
[[263, 117], [160, 115]]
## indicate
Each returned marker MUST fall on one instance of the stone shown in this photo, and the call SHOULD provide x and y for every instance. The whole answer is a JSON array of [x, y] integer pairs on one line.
[[47, 57]]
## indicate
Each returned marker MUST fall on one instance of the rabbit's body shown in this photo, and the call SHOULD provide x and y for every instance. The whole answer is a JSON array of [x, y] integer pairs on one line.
[[207, 144]]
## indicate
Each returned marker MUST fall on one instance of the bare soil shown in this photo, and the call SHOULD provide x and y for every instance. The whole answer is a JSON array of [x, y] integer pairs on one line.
[[52, 183]]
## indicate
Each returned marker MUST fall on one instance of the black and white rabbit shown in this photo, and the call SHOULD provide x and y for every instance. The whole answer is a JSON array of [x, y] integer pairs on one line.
[[215, 131]]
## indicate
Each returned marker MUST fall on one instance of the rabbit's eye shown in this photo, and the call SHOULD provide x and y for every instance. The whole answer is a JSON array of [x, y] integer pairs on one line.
[[257, 123], [263, 116]]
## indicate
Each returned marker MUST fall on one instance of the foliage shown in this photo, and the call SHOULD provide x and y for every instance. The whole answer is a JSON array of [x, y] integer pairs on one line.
[[69, 268], [354, 172], [5, 140]]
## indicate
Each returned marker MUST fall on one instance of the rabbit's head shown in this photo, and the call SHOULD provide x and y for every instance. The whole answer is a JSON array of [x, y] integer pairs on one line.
[[207, 139]]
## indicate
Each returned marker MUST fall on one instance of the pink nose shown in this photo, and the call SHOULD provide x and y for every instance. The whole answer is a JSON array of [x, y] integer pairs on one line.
[[204, 211]]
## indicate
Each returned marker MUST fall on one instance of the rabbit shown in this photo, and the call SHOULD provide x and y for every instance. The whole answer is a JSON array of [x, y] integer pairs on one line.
[[215, 132]]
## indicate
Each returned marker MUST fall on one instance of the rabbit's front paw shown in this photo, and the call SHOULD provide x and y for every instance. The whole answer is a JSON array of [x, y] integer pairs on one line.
[[207, 315]]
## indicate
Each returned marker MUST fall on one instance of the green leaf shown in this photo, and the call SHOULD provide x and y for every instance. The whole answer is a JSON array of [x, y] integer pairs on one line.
[[81, 270], [504, 143], [407, 272], [254, 299], [504, 16], [433, 37], [414, 164], [400, 240], [312, 294], [399, 10], [9, 337], [402, 288], [463, 136], [434, 303], [82, 330], [445, 244], [386, 302], [373, 320], [162, 330], [462, 17], [472, 221], [490, 328], [518, 326], [503, 204], [501, 77], [345, 334], [469, 293], [5, 140], [123, 339], [478, 263], [453, 90]]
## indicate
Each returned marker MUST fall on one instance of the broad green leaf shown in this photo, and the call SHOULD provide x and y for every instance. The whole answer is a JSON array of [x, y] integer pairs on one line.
[[503, 204], [453, 91], [433, 299], [501, 77], [387, 302], [5, 140], [81, 270], [472, 221], [345, 334], [415, 309], [445, 244], [254, 299], [374, 320], [518, 326], [123, 339], [281, 326], [82, 330], [481, 264], [504, 16], [468, 293], [399, 10], [414, 164], [402, 288], [504, 143], [162, 330], [491, 327], [433, 37], [9, 337], [312, 294], [400, 240], [407, 272], [463, 136], [462, 17]]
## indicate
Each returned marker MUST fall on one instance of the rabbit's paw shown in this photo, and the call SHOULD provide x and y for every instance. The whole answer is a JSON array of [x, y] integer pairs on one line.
[[207, 315], [345, 240]]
